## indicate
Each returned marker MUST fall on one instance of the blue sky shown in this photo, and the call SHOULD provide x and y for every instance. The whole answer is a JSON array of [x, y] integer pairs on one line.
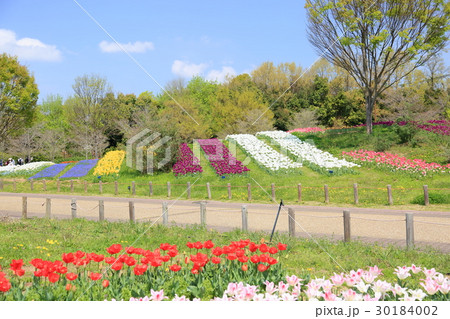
[[58, 41]]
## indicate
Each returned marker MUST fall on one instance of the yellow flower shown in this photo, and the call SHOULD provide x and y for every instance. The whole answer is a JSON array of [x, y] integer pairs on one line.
[[110, 163]]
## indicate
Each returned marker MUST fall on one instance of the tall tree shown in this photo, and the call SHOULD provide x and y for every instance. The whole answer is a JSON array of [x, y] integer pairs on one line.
[[18, 96], [372, 39]]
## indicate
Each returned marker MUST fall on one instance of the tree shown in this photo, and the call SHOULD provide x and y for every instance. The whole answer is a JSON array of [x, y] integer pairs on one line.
[[86, 115], [373, 39], [18, 97]]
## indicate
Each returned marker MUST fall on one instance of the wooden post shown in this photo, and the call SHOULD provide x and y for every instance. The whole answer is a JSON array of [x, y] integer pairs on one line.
[[100, 187], [208, 190], [58, 185], [244, 218], [116, 188], [291, 221], [71, 186], [426, 197], [327, 196], [85, 186], [272, 186], [48, 208], [249, 192], [229, 190], [165, 211], [44, 185], [188, 190], [203, 214], [168, 189], [389, 191], [347, 232], [101, 210], [14, 185], [150, 188], [73, 206], [24, 208], [131, 211], [133, 188], [1, 184], [31, 185], [355, 193], [299, 190], [409, 230]]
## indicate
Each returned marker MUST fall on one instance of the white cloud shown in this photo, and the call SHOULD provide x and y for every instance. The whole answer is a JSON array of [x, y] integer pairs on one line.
[[136, 47], [220, 75], [28, 48], [186, 69]]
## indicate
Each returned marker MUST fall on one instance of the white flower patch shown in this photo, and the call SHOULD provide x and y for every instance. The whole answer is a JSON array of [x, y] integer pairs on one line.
[[23, 168], [262, 153], [306, 151]]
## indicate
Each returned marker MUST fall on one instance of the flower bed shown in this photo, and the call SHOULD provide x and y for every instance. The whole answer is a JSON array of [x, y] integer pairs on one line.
[[308, 130], [23, 169], [396, 163], [80, 169], [206, 269], [110, 163], [311, 155], [50, 172], [186, 163], [262, 153], [220, 157]]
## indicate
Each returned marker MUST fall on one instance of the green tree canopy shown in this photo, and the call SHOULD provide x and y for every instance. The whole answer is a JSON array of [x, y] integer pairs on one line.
[[18, 97], [373, 39]]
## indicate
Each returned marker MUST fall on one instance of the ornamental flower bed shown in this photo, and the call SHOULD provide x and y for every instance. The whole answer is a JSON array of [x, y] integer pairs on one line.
[[220, 157], [186, 163], [359, 285], [51, 171], [110, 163], [80, 169], [316, 159], [23, 169], [308, 130], [262, 153], [204, 271], [396, 163]]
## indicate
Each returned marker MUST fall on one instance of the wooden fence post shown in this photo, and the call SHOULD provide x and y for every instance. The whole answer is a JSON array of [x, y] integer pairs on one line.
[[347, 229], [410, 230], [85, 186], [272, 186], [188, 190], [100, 187], [168, 189], [291, 221], [48, 208], [244, 218], [426, 197], [44, 185], [24, 208], [249, 192], [116, 188], [327, 195], [101, 210], [1, 184], [165, 215], [229, 190], [150, 188], [208, 190], [131, 211], [299, 191], [355, 193], [203, 214], [71, 186], [14, 185], [389, 191], [58, 185], [73, 206], [31, 185]]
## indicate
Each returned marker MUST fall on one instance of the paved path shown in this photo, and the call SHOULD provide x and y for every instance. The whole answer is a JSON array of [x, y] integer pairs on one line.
[[382, 226]]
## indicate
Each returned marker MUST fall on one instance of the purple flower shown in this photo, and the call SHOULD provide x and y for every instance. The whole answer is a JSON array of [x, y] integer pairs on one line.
[[50, 171], [186, 162], [80, 169]]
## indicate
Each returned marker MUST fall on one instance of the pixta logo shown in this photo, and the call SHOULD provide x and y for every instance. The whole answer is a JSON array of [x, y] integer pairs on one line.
[[142, 150]]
